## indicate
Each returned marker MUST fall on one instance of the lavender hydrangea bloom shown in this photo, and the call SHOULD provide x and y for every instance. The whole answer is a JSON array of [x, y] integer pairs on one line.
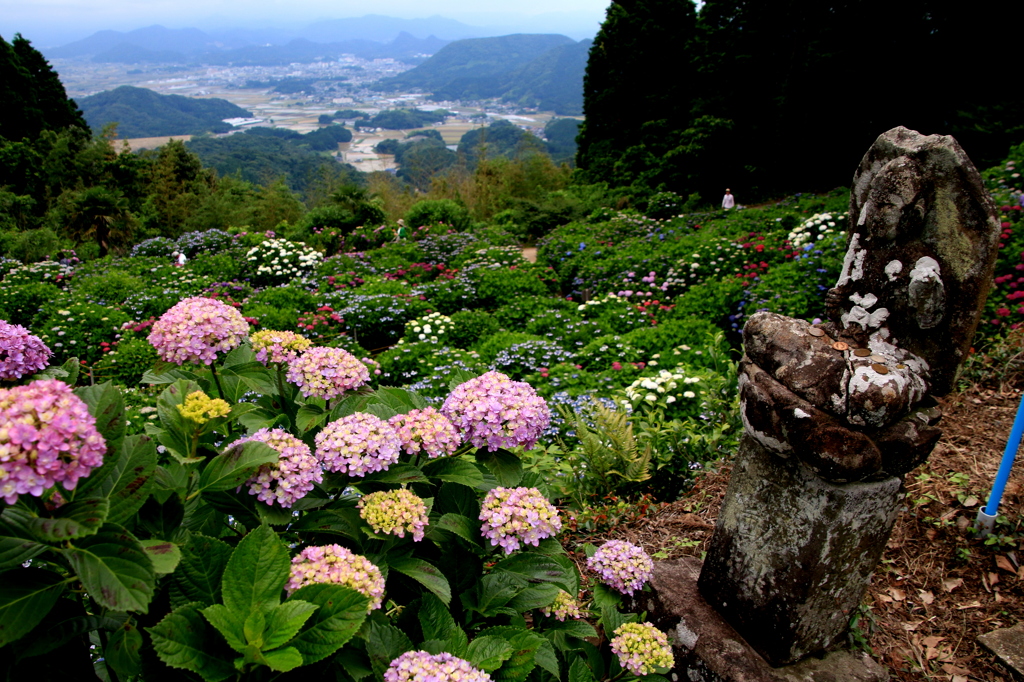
[[196, 329], [622, 565], [396, 512], [275, 346], [327, 372], [512, 516], [426, 430], [21, 352], [641, 648], [564, 606], [333, 564], [421, 666], [290, 477], [47, 436], [357, 445], [495, 411]]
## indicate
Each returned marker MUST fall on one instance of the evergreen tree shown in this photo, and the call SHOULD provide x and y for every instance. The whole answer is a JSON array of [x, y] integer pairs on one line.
[[33, 96]]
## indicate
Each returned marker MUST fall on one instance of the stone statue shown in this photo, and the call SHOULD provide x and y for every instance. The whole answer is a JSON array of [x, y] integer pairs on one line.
[[835, 414]]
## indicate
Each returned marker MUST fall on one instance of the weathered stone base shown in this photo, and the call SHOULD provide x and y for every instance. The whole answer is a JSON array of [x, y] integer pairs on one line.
[[708, 649], [792, 554]]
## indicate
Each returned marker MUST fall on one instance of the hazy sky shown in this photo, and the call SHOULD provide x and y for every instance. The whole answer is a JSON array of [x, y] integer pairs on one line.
[[54, 22]]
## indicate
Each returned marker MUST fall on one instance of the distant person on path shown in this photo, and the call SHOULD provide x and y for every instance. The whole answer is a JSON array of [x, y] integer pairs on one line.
[[728, 201], [402, 232]]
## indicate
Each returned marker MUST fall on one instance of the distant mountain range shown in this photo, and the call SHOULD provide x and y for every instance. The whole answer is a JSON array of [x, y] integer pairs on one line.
[[143, 113], [545, 71]]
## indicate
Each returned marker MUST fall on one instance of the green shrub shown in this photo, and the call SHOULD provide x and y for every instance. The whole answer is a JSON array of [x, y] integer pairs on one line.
[[272, 317], [435, 211], [80, 330], [664, 337], [521, 359], [498, 287], [287, 297], [469, 326], [716, 301], [449, 296], [379, 321], [518, 313], [111, 288], [223, 266], [489, 347], [601, 352], [21, 303], [126, 365]]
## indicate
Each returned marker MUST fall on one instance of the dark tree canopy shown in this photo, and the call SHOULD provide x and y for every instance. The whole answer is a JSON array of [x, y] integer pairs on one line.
[[33, 97]]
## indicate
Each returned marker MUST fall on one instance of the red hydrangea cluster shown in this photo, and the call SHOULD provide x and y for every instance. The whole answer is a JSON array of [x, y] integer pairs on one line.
[[357, 445], [196, 329], [21, 352], [289, 478], [428, 431], [47, 436], [327, 372], [495, 411]]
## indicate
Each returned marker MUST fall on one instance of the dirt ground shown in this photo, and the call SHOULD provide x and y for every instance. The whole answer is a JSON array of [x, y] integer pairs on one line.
[[937, 587]]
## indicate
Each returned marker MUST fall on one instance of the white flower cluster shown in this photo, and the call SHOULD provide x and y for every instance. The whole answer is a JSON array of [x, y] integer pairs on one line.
[[431, 328], [280, 260], [594, 303], [662, 387], [814, 228]]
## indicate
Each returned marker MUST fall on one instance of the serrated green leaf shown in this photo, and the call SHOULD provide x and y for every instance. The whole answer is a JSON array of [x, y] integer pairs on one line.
[[231, 469], [273, 514], [400, 399], [17, 544], [549, 546], [257, 419], [285, 621], [380, 410], [488, 653], [344, 522], [26, 596], [534, 567], [353, 661], [340, 614], [425, 574], [256, 573], [253, 627], [123, 650], [164, 555], [492, 593], [535, 597], [505, 466], [580, 629], [611, 620], [182, 640], [547, 658], [114, 569], [384, 644], [177, 431], [579, 671], [199, 574], [459, 377], [400, 473], [128, 478], [254, 376], [525, 645], [454, 470], [463, 526], [455, 498], [73, 520], [309, 416], [106, 404], [436, 620], [282, 660], [605, 597], [229, 624]]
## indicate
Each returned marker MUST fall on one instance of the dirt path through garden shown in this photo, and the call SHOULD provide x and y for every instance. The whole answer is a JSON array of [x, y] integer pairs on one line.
[[530, 253]]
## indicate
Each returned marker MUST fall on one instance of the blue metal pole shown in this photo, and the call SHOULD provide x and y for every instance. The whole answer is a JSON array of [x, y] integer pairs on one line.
[[987, 515]]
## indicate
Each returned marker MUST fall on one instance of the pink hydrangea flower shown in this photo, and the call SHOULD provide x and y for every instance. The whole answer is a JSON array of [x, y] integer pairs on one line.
[[495, 411], [47, 436], [420, 666], [564, 606], [622, 565], [641, 648], [426, 430], [327, 372], [275, 346], [336, 565], [21, 352], [196, 329], [512, 516], [396, 512], [290, 477], [357, 445]]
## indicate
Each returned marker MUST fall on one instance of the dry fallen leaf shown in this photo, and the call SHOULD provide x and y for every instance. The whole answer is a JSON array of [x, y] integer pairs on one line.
[[932, 642], [958, 678], [993, 578], [971, 605], [910, 627], [950, 584], [1004, 563], [926, 596], [971, 501], [897, 594]]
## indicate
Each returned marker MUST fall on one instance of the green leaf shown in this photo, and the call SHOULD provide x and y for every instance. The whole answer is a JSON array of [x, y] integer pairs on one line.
[[400, 473], [73, 520], [524, 647], [235, 466], [492, 593], [164, 555], [611, 620], [605, 597], [177, 431], [549, 546], [106, 404], [282, 660], [17, 545], [344, 522], [340, 614], [557, 569], [273, 514], [535, 597], [384, 644], [256, 572], [285, 621], [547, 658], [436, 620], [459, 377], [488, 653], [456, 498], [181, 640], [454, 470], [380, 411], [129, 478], [114, 569], [580, 629], [463, 526], [26, 596], [424, 573], [199, 574], [309, 416], [254, 375], [579, 671], [505, 466], [353, 661], [257, 419], [229, 624], [123, 650], [253, 627]]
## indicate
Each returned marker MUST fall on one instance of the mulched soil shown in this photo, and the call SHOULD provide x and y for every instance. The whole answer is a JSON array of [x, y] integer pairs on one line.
[[937, 587]]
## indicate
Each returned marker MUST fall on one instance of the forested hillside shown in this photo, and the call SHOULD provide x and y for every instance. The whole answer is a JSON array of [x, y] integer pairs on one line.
[[140, 112]]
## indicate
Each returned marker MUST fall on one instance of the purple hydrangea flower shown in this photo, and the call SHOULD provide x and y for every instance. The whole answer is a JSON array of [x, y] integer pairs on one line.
[[564, 606], [275, 346], [514, 515], [47, 436], [495, 411], [290, 477], [420, 666], [396, 512], [327, 372], [21, 352], [622, 565], [426, 430], [196, 329], [641, 648], [333, 564], [357, 445]]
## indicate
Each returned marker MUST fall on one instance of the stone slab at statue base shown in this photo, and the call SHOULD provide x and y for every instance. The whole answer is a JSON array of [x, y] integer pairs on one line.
[[792, 554], [708, 649]]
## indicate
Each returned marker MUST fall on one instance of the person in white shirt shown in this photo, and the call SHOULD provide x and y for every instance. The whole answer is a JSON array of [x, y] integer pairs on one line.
[[728, 201]]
